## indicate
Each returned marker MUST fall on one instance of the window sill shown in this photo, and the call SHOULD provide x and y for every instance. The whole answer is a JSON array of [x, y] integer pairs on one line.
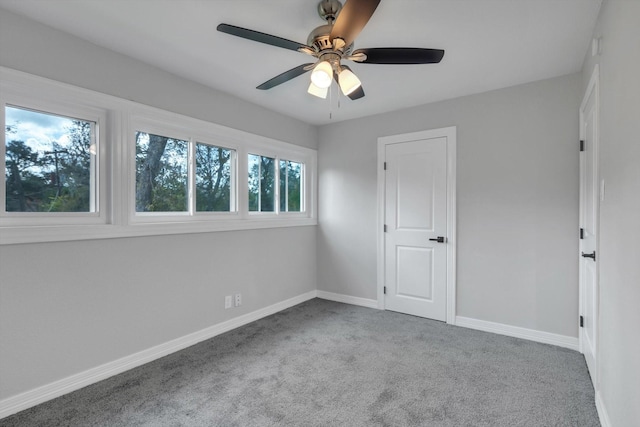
[[42, 234]]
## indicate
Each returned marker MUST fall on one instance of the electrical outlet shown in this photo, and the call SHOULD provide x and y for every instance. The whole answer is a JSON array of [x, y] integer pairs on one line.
[[238, 301], [227, 301]]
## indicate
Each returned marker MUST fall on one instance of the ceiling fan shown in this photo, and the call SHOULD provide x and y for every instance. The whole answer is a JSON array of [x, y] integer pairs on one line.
[[333, 42]]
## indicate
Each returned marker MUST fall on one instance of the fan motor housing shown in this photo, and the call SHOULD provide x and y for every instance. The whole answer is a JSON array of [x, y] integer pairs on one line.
[[319, 40]]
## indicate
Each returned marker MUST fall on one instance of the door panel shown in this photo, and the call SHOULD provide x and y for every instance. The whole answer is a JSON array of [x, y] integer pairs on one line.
[[416, 211], [414, 189], [413, 265]]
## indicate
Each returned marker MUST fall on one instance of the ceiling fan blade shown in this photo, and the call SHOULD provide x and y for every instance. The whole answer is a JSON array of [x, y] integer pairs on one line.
[[399, 55], [352, 18], [356, 94], [257, 36], [285, 77]]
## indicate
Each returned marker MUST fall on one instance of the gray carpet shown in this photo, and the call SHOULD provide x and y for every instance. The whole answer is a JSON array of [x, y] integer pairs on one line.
[[323, 363]]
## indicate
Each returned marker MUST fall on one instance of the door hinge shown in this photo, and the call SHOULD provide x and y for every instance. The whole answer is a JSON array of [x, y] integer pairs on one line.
[[385, 228], [384, 290], [582, 321], [385, 165], [582, 145], [582, 233]]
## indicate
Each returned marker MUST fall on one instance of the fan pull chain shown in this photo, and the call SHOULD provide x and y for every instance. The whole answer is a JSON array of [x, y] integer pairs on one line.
[[331, 102]]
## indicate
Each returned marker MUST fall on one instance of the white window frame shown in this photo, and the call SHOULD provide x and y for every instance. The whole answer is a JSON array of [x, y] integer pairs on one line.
[[49, 100], [142, 123], [156, 128], [116, 121], [164, 123], [292, 156]]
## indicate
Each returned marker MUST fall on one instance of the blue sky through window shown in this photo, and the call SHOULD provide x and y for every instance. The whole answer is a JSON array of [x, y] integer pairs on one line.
[[39, 131]]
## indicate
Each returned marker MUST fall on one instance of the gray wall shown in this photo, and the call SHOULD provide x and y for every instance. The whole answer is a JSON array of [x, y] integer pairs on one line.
[[619, 369], [517, 172], [67, 307]]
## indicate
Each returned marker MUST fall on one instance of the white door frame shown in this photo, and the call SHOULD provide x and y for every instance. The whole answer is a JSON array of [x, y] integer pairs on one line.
[[450, 134], [592, 88]]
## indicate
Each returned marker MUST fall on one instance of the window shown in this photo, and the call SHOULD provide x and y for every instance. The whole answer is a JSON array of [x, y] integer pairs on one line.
[[83, 165], [161, 173], [49, 162], [214, 178], [262, 180], [178, 176], [291, 186]]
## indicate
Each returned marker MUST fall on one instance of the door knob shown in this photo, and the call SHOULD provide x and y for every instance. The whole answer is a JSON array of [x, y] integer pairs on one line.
[[439, 239], [592, 255]]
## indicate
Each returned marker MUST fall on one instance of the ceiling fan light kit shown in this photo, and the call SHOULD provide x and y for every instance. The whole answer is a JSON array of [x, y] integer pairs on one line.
[[320, 92], [322, 74], [333, 42], [348, 82]]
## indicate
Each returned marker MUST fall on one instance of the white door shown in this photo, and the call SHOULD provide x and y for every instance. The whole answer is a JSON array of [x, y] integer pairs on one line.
[[415, 218], [589, 208]]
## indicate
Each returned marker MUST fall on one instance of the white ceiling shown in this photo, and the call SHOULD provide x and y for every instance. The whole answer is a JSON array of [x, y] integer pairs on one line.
[[489, 44]]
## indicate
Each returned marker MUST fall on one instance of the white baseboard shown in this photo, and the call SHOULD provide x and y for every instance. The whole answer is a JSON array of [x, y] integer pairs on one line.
[[55, 389], [518, 332], [348, 299], [602, 411]]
